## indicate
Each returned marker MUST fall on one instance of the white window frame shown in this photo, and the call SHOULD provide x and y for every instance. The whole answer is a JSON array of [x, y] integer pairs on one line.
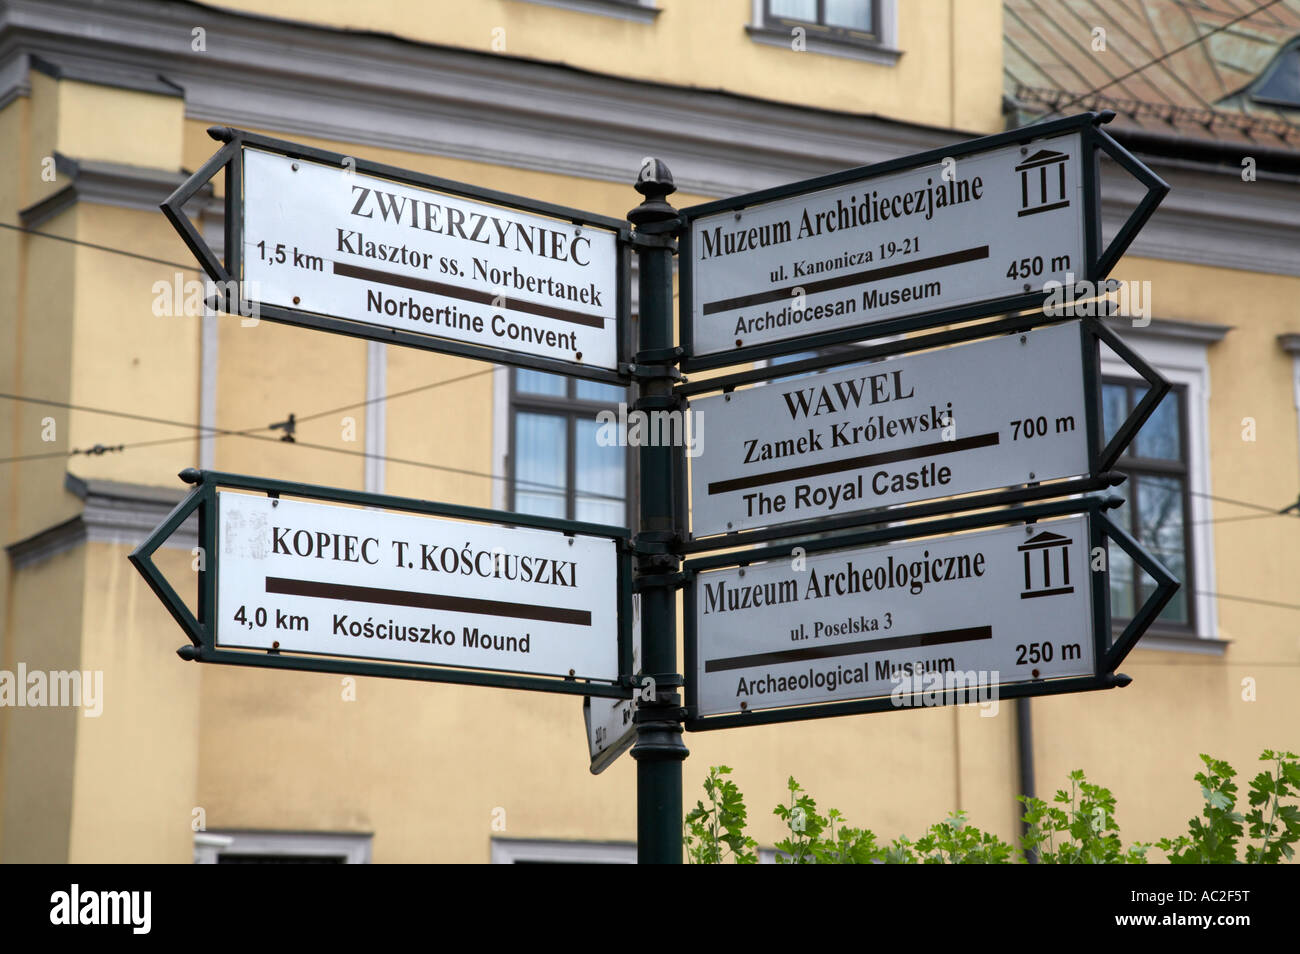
[[502, 408], [210, 845], [1179, 351], [885, 51], [642, 11], [510, 851]]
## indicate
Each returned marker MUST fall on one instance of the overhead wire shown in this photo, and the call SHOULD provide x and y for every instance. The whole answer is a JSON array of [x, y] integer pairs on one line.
[[103, 248], [252, 433]]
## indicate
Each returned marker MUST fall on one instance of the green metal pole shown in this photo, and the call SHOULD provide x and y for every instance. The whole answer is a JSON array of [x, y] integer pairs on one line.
[[659, 749]]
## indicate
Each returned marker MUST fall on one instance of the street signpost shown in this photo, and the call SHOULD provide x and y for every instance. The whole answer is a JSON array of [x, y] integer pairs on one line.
[[1016, 409], [311, 578], [847, 625], [297, 577], [964, 232], [327, 241]]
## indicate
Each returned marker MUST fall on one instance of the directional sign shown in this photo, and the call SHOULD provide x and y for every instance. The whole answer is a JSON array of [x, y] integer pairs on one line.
[[1008, 410], [1019, 610], [416, 590], [610, 729], [965, 232], [328, 241]]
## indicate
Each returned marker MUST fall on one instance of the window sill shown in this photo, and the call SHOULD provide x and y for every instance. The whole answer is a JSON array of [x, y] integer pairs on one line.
[[1181, 643], [831, 46], [639, 12]]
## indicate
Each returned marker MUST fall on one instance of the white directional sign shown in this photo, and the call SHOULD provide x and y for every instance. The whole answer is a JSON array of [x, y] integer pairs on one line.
[[956, 614], [999, 412], [610, 729], [326, 239], [313, 578], [940, 235]]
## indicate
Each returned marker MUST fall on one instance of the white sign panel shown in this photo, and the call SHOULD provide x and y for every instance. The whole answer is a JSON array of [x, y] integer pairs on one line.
[[407, 588], [956, 232], [988, 608], [324, 239], [1005, 411], [610, 729]]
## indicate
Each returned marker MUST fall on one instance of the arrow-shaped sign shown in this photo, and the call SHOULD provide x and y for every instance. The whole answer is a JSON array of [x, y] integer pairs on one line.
[[980, 228], [292, 576], [912, 616], [326, 241], [1013, 410]]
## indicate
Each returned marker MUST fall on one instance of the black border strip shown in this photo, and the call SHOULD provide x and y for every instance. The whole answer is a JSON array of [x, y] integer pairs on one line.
[[436, 601], [465, 294], [861, 647], [972, 254], [934, 449]]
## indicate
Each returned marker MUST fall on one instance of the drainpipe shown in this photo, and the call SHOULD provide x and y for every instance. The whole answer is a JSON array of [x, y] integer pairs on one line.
[[1025, 758]]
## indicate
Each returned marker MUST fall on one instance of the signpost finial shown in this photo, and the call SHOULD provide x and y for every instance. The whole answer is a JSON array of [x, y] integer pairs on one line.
[[655, 182]]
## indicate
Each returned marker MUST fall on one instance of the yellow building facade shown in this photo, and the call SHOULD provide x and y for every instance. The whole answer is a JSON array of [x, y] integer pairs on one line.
[[115, 379]]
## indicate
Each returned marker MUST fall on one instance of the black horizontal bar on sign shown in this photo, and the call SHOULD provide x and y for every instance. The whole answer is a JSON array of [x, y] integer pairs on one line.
[[464, 294], [973, 254], [888, 644], [853, 463], [436, 601]]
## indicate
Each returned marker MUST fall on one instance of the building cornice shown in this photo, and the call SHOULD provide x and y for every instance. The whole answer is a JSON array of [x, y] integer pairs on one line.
[[110, 183], [1211, 216], [106, 75], [1169, 329], [302, 80], [112, 512], [374, 89]]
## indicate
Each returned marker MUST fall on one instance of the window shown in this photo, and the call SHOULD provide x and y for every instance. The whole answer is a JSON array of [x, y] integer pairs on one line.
[[790, 359], [1280, 84], [558, 466], [1180, 351], [642, 11], [846, 351], [235, 847], [855, 19], [1157, 501], [541, 851], [860, 29]]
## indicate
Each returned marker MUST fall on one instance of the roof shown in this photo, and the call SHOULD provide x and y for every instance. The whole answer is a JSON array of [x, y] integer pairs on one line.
[[1201, 92]]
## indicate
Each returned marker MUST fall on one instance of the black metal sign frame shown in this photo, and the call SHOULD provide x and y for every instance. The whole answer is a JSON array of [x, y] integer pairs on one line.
[[202, 627], [1097, 265], [1109, 650], [229, 274]]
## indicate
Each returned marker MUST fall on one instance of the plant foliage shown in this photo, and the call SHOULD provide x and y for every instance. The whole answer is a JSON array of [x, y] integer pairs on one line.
[[1078, 827]]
